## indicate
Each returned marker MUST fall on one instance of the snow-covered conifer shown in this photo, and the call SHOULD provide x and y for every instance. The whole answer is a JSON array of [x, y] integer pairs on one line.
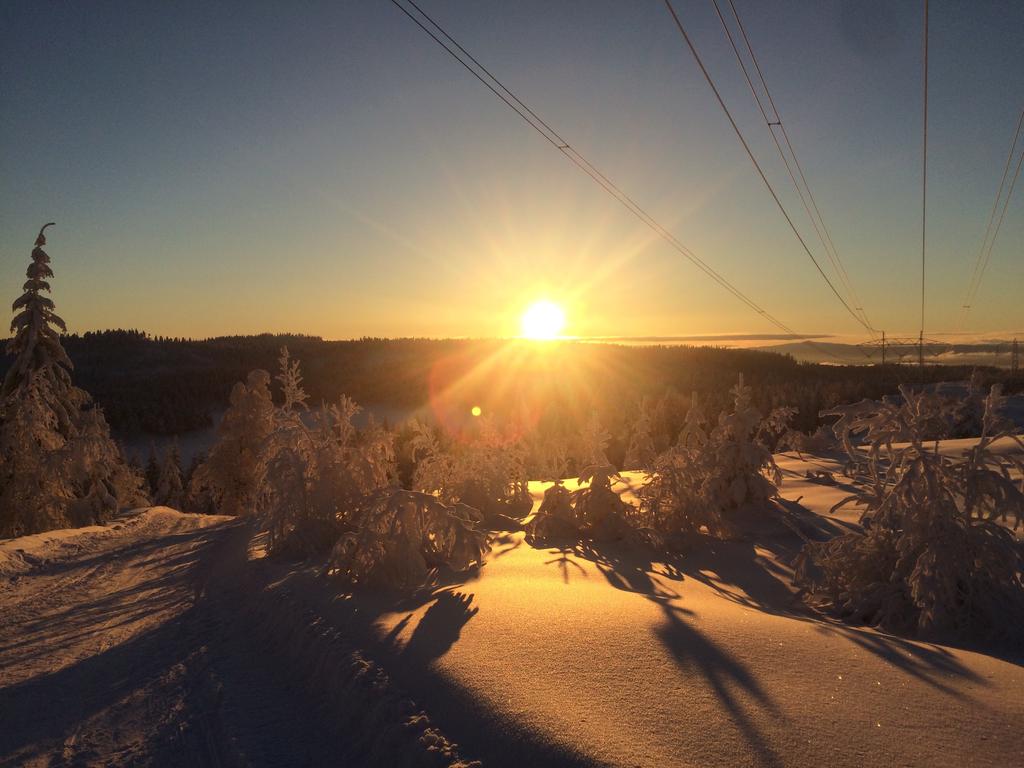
[[593, 443], [170, 489], [693, 435], [36, 343], [232, 471], [152, 470], [50, 428], [640, 452], [34, 492]]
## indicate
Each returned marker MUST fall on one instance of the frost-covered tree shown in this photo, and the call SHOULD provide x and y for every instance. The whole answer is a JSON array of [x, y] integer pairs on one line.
[[232, 471], [740, 470], [34, 486], [398, 537], [36, 344], [640, 452], [318, 468], [936, 553], [170, 490], [702, 483], [152, 470], [592, 448], [50, 428], [486, 470], [693, 434]]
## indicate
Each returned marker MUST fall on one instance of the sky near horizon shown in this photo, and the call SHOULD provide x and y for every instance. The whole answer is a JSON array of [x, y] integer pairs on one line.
[[222, 168]]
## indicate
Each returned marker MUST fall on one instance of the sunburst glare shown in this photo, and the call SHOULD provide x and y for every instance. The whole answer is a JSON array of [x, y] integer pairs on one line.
[[542, 320]]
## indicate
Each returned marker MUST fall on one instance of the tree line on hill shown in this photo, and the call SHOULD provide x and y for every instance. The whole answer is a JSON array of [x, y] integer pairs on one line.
[[167, 386]]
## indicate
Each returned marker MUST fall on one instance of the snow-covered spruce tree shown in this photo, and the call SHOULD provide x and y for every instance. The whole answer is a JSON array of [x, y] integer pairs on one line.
[[703, 483], [232, 471], [152, 470], [35, 488], [739, 470], [170, 490], [640, 451], [936, 554], [50, 427], [693, 434], [36, 344], [592, 446]]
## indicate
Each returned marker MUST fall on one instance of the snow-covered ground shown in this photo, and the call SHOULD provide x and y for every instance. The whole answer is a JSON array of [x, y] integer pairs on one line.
[[163, 634]]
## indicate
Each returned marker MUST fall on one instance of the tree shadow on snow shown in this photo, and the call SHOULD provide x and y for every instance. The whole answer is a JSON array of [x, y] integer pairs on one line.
[[633, 569], [693, 651], [756, 576], [437, 630]]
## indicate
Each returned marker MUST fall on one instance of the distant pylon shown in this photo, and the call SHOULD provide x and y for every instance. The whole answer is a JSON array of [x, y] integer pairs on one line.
[[1015, 359]]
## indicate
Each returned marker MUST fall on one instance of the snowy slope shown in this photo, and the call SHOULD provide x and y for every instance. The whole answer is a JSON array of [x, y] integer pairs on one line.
[[609, 658]]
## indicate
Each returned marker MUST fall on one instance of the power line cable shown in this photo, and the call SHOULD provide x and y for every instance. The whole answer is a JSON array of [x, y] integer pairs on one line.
[[999, 223], [804, 192], [757, 166], [986, 247], [924, 181], [556, 140]]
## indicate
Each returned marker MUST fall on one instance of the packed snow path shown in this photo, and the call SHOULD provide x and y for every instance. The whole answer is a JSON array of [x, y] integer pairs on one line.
[[133, 644]]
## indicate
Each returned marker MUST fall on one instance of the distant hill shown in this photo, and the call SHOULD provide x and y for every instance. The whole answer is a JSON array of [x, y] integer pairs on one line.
[[994, 354]]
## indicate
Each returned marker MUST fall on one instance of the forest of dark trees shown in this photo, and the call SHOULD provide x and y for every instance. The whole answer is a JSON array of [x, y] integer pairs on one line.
[[163, 386]]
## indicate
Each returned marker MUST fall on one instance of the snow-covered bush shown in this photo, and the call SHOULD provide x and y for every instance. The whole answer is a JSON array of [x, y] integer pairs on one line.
[[58, 464], [935, 554], [600, 510], [556, 517], [594, 511], [399, 537], [705, 480], [318, 471], [232, 471], [320, 484], [671, 501], [487, 470], [819, 442]]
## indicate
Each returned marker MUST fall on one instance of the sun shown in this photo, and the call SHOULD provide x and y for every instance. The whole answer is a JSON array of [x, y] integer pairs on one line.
[[542, 320]]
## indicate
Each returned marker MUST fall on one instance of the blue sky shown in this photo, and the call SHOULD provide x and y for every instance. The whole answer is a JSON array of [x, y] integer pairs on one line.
[[224, 168]]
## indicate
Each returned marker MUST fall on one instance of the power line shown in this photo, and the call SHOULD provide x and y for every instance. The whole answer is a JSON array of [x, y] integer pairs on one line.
[[743, 141], [986, 245], [817, 220], [999, 223], [924, 182], [482, 74]]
